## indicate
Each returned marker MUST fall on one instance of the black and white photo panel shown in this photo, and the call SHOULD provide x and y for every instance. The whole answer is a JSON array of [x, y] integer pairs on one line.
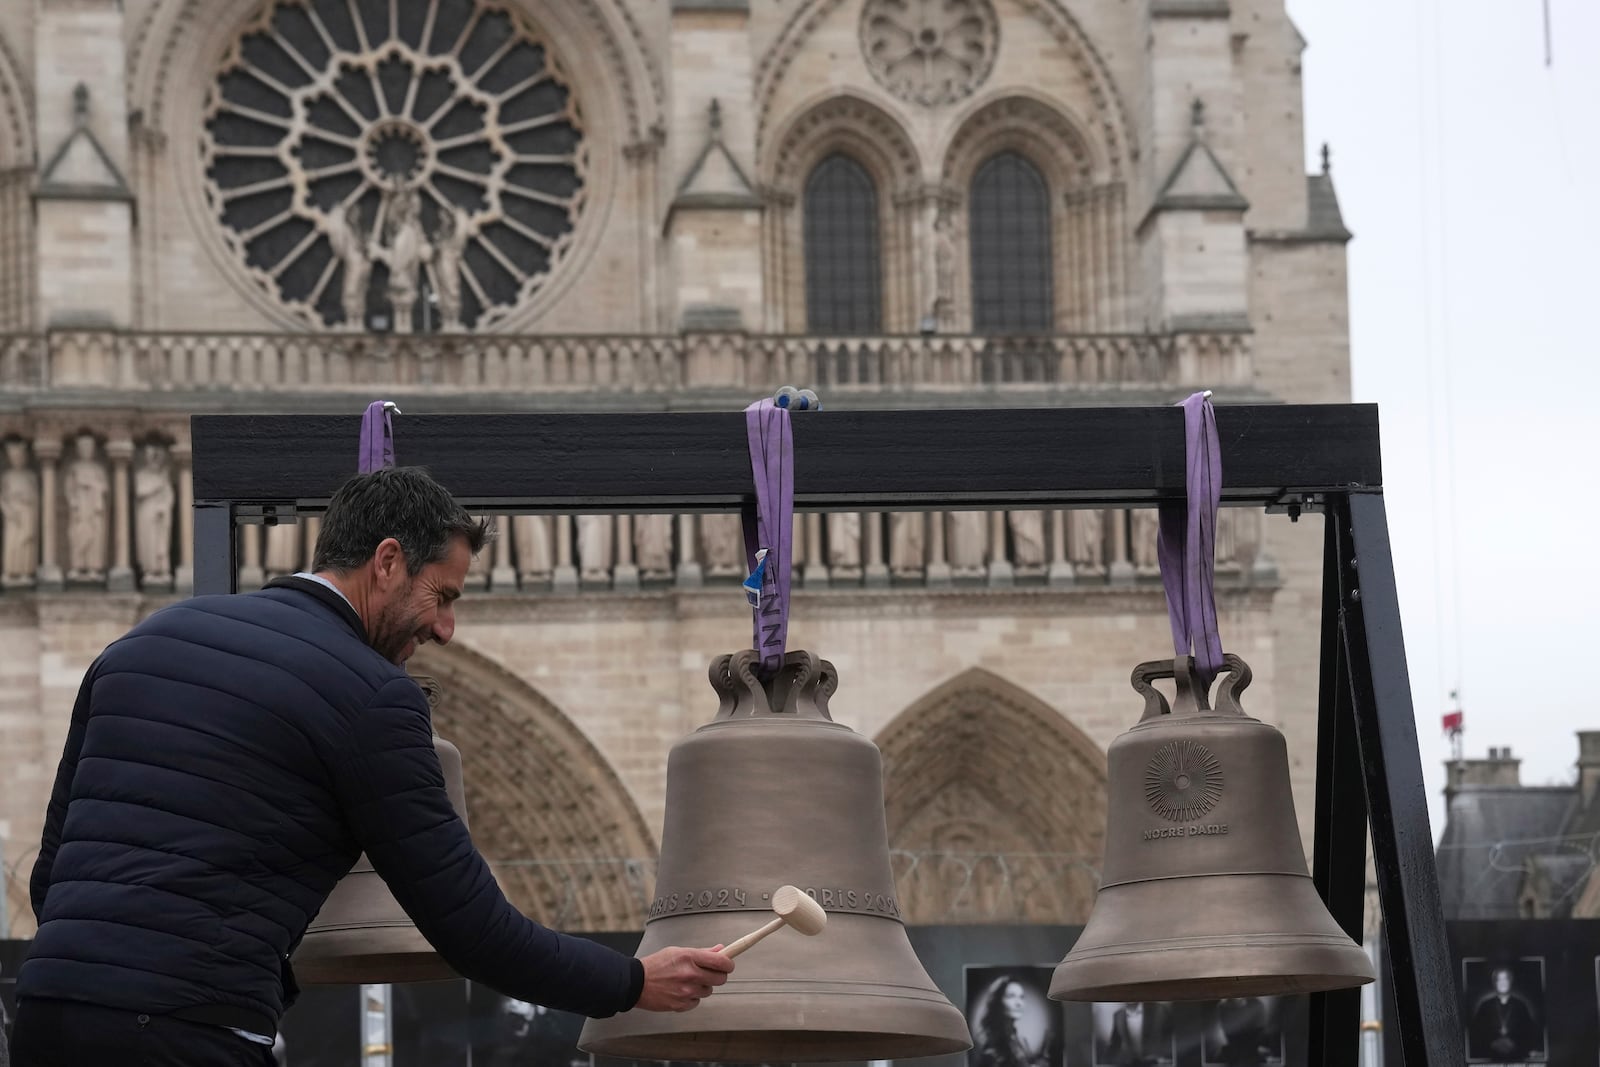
[[1134, 1034], [1241, 1031], [1504, 1010], [1013, 1022]]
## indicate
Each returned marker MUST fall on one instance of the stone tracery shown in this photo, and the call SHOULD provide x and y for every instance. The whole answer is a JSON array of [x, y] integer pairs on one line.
[[416, 163]]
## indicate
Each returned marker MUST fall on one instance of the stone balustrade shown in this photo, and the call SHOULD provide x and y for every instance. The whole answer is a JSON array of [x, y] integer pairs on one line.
[[612, 364]]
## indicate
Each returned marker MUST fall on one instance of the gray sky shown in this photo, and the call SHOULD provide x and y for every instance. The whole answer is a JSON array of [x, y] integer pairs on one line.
[[1467, 170]]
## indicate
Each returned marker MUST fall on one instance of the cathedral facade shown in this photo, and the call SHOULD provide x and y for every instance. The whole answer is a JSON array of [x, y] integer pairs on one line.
[[513, 205]]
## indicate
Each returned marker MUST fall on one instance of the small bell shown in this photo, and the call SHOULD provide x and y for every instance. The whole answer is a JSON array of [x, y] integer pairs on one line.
[[773, 792], [1204, 892]]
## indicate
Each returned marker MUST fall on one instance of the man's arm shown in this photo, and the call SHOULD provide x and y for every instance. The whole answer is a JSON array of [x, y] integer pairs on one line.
[[392, 792], [60, 794]]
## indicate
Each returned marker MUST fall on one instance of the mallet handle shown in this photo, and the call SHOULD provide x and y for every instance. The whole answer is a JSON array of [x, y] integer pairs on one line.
[[751, 938]]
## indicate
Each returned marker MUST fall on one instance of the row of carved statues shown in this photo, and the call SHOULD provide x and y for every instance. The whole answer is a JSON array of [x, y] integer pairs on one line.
[[82, 517], [843, 547], [110, 525]]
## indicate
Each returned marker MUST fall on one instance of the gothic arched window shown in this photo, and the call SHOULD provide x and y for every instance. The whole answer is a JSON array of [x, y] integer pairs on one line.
[[1009, 228], [844, 293]]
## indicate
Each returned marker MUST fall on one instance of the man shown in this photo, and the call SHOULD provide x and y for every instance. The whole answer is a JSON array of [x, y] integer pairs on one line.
[[226, 763]]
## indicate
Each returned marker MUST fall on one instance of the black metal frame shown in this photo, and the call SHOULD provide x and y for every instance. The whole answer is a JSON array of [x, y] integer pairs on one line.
[[257, 468]]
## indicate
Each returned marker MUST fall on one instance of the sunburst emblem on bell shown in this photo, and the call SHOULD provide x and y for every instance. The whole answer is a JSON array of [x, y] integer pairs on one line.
[[362, 935], [1204, 892], [773, 792]]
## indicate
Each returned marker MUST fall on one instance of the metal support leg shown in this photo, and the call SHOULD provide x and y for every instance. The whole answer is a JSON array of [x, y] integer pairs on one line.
[[1339, 863], [1427, 1016], [216, 563]]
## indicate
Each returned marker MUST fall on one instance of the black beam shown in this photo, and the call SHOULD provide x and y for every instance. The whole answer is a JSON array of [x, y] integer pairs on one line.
[[883, 459], [1427, 1016], [1339, 861], [216, 564]]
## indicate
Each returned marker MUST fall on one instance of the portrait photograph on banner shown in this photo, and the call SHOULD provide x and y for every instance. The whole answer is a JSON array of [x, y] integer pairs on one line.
[[1504, 1010], [1013, 1022], [1134, 1034], [1244, 1031], [507, 1031]]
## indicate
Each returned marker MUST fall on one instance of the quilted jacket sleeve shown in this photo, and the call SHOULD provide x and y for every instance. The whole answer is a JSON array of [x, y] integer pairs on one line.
[[392, 792], [60, 794]]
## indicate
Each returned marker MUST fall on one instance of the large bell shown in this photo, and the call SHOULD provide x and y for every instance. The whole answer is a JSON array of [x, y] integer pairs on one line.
[[362, 935], [773, 792], [1204, 892]]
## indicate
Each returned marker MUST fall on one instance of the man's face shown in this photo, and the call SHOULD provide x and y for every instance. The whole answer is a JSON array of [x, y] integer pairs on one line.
[[1502, 982], [410, 610]]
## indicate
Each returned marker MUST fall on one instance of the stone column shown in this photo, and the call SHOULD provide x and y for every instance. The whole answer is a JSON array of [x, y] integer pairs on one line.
[[1122, 572], [503, 576], [1000, 570], [876, 574], [1060, 566], [816, 570], [565, 578], [251, 574], [120, 577], [938, 573], [47, 447], [690, 574], [625, 572], [313, 531], [183, 573]]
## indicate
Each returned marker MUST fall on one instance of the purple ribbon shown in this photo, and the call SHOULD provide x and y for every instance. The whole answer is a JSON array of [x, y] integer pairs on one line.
[[1187, 543], [377, 437], [772, 461]]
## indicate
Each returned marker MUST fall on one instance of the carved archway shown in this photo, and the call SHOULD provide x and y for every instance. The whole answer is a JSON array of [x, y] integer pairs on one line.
[[564, 837], [16, 209], [861, 129], [996, 806]]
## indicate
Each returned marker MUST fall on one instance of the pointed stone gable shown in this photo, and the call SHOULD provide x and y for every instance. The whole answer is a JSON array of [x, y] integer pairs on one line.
[[716, 180], [81, 167]]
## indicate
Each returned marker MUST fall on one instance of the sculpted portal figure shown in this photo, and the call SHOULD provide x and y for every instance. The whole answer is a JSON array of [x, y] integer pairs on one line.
[[153, 492], [19, 513], [86, 489]]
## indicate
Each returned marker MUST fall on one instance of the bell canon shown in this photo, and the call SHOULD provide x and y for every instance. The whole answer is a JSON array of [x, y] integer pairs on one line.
[[1204, 892], [773, 793]]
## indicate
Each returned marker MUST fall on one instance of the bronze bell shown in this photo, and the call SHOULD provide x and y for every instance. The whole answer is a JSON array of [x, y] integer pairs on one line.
[[771, 792], [1204, 891], [362, 935]]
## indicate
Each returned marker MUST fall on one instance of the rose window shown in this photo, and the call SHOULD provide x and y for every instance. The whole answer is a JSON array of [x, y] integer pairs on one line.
[[930, 52], [394, 164]]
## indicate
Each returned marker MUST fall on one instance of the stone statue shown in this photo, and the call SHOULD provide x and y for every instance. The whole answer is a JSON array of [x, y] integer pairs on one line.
[[594, 547], [152, 513], [722, 545], [532, 538], [408, 249], [844, 543], [86, 488], [1227, 538], [283, 550], [907, 558], [1086, 542], [944, 260], [449, 245], [652, 545], [967, 535], [1146, 527], [1029, 553], [349, 246], [19, 517]]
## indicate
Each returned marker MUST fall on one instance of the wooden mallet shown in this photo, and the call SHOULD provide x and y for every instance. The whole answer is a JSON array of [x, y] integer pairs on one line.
[[794, 909]]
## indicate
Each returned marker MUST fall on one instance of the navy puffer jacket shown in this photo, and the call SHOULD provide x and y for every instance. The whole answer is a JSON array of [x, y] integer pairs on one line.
[[226, 763]]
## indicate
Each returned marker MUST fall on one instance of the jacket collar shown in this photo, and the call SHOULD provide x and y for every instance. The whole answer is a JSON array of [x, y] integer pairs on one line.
[[333, 600]]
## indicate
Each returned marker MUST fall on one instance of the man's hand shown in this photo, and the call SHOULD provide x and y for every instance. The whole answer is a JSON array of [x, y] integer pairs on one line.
[[676, 979]]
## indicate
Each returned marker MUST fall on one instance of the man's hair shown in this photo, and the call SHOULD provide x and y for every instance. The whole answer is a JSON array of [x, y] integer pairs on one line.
[[399, 502]]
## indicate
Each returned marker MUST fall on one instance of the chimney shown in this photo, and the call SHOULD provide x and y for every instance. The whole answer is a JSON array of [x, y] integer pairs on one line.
[[1588, 765], [1499, 768]]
